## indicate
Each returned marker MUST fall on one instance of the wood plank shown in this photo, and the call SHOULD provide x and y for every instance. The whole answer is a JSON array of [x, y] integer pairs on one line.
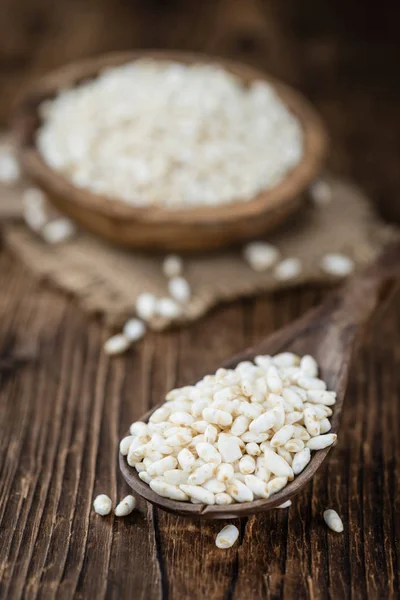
[[66, 408]]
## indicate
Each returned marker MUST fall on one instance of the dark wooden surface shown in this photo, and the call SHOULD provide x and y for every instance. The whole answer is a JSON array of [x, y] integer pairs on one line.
[[63, 404]]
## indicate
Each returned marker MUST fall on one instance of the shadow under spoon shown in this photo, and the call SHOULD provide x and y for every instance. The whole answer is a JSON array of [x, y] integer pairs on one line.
[[329, 333]]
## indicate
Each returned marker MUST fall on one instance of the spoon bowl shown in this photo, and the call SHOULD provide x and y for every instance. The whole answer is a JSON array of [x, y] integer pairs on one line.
[[329, 333], [157, 228]]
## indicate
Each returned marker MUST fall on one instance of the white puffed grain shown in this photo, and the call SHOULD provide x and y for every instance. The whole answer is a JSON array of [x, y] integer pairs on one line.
[[186, 459], [175, 476], [309, 365], [198, 493], [337, 265], [168, 308], [263, 423], [181, 418], [257, 486], [333, 520], [239, 490], [125, 443], [281, 451], [293, 417], [229, 449], [167, 490], [217, 416], [293, 398], [102, 505], [277, 464], [247, 464], [273, 380], [211, 434], [34, 198], [301, 460], [261, 256], [125, 507], [138, 428], [117, 344], [179, 289], [146, 304], [253, 449], [276, 484], [282, 436], [134, 330], [294, 445], [160, 414], [325, 425], [144, 476], [225, 472], [227, 537], [159, 466], [57, 231], [300, 433], [321, 397], [200, 426], [311, 422], [202, 474], [172, 266], [321, 441], [311, 383], [208, 453], [214, 485], [288, 269], [223, 498], [9, 167]]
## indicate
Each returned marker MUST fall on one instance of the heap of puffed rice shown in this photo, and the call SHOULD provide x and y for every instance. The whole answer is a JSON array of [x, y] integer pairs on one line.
[[164, 133], [237, 435]]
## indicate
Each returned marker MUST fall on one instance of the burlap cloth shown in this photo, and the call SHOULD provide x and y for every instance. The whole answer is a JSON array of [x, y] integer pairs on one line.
[[106, 280]]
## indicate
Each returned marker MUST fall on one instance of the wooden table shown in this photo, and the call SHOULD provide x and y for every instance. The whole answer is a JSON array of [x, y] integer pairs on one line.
[[64, 404]]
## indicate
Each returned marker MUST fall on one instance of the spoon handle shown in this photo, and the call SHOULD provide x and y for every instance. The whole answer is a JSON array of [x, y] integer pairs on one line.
[[367, 292]]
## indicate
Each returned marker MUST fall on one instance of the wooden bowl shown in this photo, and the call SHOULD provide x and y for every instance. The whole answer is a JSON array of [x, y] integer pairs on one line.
[[160, 228]]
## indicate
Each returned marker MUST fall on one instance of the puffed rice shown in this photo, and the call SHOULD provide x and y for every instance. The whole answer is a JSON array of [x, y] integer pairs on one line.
[[172, 266], [333, 520], [117, 344], [134, 330], [102, 505], [199, 446], [125, 507], [338, 265], [288, 269], [9, 167], [146, 304], [58, 231], [168, 308], [147, 134], [35, 218], [227, 536], [260, 255], [179, 289]]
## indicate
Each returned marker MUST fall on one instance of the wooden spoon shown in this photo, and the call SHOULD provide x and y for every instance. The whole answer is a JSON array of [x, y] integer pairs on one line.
[[157, 228], [329, 333]]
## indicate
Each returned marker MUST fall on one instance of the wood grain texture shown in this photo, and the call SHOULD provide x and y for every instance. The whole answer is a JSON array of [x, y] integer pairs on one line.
[[63, 407]]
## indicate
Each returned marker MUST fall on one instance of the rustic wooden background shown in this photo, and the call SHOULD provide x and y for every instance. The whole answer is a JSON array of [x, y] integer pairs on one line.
[[63, 404]]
